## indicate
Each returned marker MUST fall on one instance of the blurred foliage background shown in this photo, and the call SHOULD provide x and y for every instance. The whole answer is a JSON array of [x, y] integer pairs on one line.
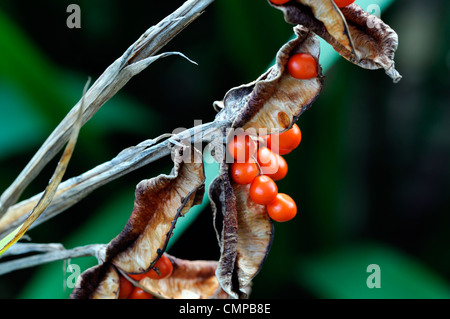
[[371, 176]]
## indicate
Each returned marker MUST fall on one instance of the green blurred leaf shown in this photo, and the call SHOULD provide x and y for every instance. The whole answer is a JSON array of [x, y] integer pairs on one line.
[[23, 65], [342, 274], [18, 132]]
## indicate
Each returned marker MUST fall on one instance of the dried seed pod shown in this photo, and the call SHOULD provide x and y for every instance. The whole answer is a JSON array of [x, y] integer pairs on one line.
[[223, 202], [276, 99], [98, 282], [245, 234], [359, 37], [158, 204], [189, 280], [273, 102], [255, 235]]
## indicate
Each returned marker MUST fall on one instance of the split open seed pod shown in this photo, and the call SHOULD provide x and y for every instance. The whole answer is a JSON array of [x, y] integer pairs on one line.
[[189, 280], [159, 202], [356, 35], [273, 102], [98, 282], [276, 99]]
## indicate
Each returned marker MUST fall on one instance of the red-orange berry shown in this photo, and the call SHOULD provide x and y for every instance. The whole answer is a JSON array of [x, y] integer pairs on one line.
[[271, 164], [137, 277], [302, 66], [343, 3], [244, 173], [242, 147], [282, 169], [282, 208], [279, 1], [164, 267], [139, 293], [263, 190], [125, 287], [267, 160], [285, 142]]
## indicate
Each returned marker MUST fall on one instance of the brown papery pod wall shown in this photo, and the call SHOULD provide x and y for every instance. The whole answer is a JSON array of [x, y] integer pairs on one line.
[[359, 37], [273, 102]]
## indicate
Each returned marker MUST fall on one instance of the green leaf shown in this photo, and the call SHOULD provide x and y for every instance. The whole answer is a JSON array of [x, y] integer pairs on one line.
[[343, 274]]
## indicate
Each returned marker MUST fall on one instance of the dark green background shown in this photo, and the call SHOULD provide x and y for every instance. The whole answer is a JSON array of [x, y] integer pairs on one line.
[[371, 176]]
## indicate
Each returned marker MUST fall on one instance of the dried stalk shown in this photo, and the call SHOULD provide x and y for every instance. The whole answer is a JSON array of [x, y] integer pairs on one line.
[[75, 189], [96, 250], [134, 60], [25, 248]]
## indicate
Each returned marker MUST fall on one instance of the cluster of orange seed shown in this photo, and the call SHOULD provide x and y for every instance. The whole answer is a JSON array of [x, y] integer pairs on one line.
[[260, 164], [128, 291]]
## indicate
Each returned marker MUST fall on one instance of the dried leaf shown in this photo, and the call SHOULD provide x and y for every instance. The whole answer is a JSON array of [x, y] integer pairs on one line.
[[359, 37]]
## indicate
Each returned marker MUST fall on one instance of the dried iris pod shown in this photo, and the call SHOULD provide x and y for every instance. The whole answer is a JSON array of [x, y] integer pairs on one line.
[[159, 202], [189, 280], [359, 37], [273, 102], [244, 230], [98, 282]]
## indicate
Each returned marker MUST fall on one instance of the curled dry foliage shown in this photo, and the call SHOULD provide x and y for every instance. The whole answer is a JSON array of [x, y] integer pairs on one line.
[[359, 37], [274, 101]]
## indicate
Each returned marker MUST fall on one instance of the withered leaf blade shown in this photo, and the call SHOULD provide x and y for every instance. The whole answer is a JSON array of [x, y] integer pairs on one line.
[[189, 280], [159, 202], [275, 100], [359, 37]]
